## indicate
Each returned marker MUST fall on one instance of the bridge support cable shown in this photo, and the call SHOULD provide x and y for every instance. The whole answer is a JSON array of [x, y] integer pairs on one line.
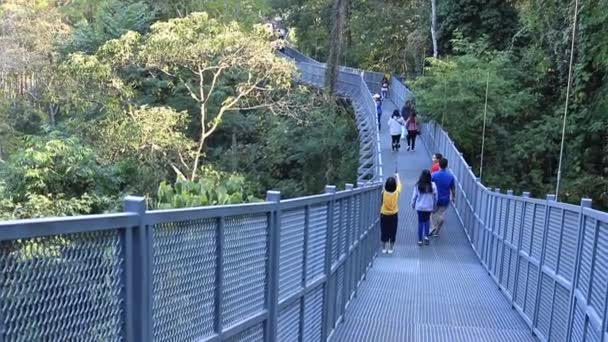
[[561, 150]]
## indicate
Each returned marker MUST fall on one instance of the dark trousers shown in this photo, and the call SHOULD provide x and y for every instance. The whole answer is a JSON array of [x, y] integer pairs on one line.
[[379, 117], [411, 139], [388, 227], [395, 139], [424, 223]]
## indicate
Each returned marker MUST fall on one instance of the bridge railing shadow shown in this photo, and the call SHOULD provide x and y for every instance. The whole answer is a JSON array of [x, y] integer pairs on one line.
[[549, 258]]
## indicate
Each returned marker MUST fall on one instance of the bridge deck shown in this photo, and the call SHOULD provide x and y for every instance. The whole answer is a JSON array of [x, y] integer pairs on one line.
[[430, 293]]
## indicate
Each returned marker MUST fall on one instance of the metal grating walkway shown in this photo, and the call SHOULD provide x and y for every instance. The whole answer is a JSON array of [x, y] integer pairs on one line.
[[430, 293]]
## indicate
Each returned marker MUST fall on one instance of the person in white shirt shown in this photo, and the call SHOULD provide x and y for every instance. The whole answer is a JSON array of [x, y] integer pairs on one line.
[[394, 124]]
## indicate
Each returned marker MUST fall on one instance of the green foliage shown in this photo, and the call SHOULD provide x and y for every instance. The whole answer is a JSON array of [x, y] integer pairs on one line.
[[55, 176], [495, 19], [298, 154], [213, 188], [109, 19]]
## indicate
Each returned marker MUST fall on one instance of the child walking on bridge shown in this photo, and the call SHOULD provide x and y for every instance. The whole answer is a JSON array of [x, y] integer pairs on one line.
[[389, 213], [424, 201], [394, 124]]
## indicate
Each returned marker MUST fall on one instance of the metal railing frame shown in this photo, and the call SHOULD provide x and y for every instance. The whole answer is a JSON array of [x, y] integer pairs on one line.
[[537, 251]]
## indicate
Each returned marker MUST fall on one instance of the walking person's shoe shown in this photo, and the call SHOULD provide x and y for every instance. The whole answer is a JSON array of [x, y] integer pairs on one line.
[[420, 243], [408, 148], [384, 247], [426, 241], [435, 233], [391, 248]]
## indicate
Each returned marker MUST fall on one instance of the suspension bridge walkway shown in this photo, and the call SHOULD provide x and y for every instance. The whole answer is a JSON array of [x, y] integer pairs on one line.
[[506, 267]]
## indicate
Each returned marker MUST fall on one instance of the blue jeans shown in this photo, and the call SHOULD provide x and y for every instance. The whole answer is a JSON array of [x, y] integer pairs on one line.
[[379, 116], [424, 223]]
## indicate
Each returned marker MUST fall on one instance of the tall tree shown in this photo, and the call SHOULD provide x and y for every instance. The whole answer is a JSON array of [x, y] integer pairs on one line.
[[336, 42]]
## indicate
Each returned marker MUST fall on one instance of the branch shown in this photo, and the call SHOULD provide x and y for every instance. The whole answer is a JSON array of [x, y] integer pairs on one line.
[[192, 94], [215, 77], [224, 108], [266, 105]]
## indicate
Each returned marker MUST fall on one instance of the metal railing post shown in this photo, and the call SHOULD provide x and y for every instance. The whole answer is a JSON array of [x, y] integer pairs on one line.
[[327, 295], [219, 276], [274, 246], [585, 203], [137, 275], [347, 243]]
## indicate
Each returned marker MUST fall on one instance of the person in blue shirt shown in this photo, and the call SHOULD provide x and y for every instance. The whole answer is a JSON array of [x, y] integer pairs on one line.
[[446, 193]]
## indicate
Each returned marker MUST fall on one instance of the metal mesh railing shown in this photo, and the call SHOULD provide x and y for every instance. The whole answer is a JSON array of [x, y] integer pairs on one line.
[[549, 258], [278, 270], [351, 84]]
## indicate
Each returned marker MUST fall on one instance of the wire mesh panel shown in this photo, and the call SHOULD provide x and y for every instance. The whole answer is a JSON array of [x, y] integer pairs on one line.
[[538, 230], [531, 293], [313, 313], [545, 305], [62, 288], [245, 267], [584, 276], [553, 236], [289, 323], [291, 259], [253, 334], [599, 280], [569, 244], [317, 232], [561, 311], [578, 324], [528, 228], [520, 297], [340, 291], [183, 271]]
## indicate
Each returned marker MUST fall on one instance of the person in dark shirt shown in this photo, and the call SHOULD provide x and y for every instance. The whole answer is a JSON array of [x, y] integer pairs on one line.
[[446, 193]]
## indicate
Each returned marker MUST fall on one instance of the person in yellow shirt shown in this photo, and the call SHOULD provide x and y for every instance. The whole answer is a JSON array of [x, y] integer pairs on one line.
[[389, 213]]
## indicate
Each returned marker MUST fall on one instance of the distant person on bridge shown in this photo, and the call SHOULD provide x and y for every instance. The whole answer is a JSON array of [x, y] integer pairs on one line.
[[407, 108], [436, 158], [389, 213], [378, 108], [412, 127], [384, 88], [446, 192], [424, 201], [394, 125]]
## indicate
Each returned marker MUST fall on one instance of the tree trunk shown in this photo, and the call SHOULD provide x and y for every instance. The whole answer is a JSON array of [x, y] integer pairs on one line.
[[335, 46], [434, 27]]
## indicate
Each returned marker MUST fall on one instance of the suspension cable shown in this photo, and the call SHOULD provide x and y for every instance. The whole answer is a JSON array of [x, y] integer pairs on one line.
[[561, 151], [483, 134]]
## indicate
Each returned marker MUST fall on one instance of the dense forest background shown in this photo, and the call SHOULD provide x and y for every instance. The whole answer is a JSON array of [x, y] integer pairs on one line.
[[103, 98], [520, 48]]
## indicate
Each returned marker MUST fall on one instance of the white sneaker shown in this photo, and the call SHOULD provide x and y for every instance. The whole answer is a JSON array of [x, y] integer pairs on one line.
[[383, 250], [390, 251]]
